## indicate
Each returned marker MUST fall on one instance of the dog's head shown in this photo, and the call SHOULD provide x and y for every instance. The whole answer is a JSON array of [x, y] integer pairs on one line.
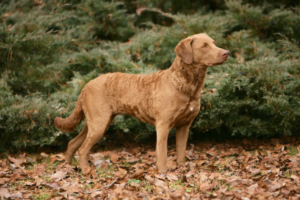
[[200, 49]]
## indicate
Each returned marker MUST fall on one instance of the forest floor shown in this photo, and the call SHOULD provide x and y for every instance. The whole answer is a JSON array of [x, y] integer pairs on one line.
[[245, 169]]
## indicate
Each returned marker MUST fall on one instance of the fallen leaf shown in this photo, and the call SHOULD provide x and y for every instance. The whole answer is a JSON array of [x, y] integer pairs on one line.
[[58, 176], [203, 186], [17, 161], [3, 180], [200, 162], [39, 169], [161, 184], [44, 155], [57, 157], [295, 178], [115, 157], [202, 176], [150, 179], [52, 185], [4, 193], [29, 183], [137, 174], [131, 159], [255, 172], [121, 173], [211, 153], [17, 195], [99, 163], [172, 177], [73, 189], [191, 151], [179, 194], [274, 187], [171, 164]]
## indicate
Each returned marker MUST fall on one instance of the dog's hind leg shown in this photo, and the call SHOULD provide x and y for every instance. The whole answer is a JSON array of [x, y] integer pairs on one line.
[[97, 127], [75, 143]]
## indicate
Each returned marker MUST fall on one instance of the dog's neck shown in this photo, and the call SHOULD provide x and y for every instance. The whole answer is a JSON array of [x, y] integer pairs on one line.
[[188, 79]]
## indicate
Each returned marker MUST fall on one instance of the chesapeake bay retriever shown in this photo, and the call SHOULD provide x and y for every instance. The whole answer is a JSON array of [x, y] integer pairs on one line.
[[166, 99]]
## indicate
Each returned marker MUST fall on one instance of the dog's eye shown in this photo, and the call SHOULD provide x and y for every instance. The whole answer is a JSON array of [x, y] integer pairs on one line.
[[205, 45]]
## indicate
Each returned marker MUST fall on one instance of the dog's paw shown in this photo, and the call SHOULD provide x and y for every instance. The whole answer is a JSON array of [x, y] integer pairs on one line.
[[86, 170]]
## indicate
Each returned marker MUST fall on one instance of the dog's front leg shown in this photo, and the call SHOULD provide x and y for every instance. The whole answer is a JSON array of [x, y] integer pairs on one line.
[[162, 132], [181, 140]]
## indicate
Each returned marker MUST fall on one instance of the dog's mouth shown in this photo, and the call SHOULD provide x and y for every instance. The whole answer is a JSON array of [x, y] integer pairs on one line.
[[212, 64], [218, 63]]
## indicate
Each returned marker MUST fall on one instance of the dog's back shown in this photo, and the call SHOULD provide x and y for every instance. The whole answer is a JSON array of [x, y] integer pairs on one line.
[[126, 93]]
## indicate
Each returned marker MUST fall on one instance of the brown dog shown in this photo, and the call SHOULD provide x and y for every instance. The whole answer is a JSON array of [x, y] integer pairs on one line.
[[166, 99]]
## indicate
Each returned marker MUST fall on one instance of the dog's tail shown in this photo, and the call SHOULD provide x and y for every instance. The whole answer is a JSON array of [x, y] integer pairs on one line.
[[69, 124]]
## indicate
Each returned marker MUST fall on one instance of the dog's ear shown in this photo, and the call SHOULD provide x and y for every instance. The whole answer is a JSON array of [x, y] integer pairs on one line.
[[184, 50]]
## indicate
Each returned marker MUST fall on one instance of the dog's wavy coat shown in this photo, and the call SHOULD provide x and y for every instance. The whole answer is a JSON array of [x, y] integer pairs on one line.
[[166, 99]]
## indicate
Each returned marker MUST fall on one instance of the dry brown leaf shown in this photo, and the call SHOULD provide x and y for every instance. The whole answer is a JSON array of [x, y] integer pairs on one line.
[[200, 162], [44, 155], [17, 195], [203, 186], [274, 187], [65, 167], [38, 181], [295, 178], [202, 176], [131, 159], [171, 164], [192, 151], [137, 174], [17, 161], [100, 163], [235, 182], [149, 179], [57, 157], [29, 183], [121, 173], [211, 153], [73, 189], [255, 172], [172, 177], [161, 184], [251, 189], [3, 180], [115, 157], [39, 169], [52, 185], [99, 195], [4, 193], [97, 186], [58, 176], [97, 156], [179, 194]]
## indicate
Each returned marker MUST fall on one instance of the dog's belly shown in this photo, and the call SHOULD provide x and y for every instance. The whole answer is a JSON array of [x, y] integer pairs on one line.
[[139, 112]]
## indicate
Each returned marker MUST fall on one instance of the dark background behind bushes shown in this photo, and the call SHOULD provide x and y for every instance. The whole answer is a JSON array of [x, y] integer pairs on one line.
[[50, 49]]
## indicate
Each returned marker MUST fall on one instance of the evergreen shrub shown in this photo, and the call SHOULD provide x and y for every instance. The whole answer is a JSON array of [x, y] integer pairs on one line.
[[50, 49]]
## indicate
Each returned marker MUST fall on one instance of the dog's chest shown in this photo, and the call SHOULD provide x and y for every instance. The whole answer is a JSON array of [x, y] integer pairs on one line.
[[188, 114]]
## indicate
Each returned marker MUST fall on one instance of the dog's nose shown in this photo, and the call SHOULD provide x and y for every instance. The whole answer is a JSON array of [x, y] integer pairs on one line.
[[225, 53]]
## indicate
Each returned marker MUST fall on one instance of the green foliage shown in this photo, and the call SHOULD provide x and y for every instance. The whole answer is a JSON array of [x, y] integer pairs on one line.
[[264, 20], [49, 50]]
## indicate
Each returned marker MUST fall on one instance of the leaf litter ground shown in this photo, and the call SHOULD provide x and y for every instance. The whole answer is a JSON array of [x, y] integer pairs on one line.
[[244, 170]]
